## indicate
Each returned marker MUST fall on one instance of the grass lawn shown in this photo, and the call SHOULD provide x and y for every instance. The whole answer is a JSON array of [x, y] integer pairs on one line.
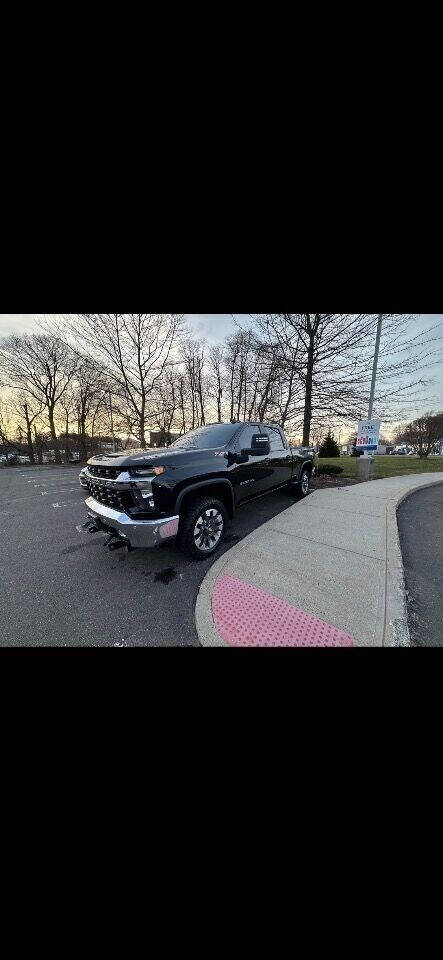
[[386, 466]]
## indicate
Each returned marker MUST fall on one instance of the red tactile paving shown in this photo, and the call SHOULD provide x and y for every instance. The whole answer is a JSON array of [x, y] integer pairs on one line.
[[246, 616]]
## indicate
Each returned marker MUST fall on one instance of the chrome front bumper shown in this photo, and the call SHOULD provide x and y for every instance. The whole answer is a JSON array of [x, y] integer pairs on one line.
[[139, 533]]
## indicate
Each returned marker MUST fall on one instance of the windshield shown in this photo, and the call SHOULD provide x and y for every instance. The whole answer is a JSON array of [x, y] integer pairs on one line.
[[207, 438]]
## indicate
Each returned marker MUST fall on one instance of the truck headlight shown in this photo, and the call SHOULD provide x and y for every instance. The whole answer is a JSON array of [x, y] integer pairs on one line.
[[143, 492], [148, 471]]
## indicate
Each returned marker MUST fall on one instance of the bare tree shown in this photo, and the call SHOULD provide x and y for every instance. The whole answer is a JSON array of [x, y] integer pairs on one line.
[[39, 443], [422, 434], [26, 411], [260, 383], [89, 397], [40, 366], [67, 415], [133, 351], [194, 361], [182, 395], [6, 430], [239, 367], [165, 405], [331, 357], [216, 381]]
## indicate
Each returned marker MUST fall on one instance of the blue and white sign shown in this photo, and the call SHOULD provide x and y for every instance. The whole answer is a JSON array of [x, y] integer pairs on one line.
[[368, 433]]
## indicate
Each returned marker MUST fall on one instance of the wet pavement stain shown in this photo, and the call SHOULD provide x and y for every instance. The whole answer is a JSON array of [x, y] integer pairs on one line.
[[166, 575]]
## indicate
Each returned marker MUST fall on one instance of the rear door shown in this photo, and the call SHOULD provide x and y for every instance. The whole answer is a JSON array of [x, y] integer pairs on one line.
[[279, 458]]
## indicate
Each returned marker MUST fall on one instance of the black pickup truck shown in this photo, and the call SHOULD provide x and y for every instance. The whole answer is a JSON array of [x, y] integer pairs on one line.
[[193, 487]]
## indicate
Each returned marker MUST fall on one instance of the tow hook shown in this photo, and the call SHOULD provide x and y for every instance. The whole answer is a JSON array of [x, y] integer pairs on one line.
[[90, 526], [114, 542]]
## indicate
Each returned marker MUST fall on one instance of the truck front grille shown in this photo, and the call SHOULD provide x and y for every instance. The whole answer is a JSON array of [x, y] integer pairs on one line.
[[111, 472], [117, 499]]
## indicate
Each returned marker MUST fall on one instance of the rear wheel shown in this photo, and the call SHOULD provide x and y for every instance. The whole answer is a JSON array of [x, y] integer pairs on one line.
[[303, 483], [203, 527]]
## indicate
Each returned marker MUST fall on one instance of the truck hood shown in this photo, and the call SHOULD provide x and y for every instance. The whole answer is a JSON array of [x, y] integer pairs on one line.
[[152, 456]]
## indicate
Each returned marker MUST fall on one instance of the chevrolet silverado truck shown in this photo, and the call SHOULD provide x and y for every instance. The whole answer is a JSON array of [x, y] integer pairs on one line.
[[191, 489]]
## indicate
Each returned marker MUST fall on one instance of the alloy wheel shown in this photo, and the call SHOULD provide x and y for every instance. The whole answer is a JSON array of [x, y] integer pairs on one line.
[[208, 529]]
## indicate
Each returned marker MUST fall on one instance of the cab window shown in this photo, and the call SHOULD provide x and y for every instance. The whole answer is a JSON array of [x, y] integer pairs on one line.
[[275, 438], [244, 440]]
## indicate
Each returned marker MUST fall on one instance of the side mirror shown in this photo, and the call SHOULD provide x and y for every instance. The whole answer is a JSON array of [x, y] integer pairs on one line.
[[260, 446]]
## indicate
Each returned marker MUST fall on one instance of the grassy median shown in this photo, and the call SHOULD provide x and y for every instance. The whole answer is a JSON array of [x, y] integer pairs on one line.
[[387, 466]]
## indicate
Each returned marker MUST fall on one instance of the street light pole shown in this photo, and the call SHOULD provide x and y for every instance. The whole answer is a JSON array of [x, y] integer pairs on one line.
[[366, 462], [374, 366]]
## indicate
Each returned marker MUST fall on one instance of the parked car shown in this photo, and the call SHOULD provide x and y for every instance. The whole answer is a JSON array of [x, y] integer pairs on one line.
[[193, 487], [83, 477]]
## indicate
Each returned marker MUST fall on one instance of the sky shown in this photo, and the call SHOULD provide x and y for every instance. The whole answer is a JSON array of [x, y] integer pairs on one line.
[[213, 327]]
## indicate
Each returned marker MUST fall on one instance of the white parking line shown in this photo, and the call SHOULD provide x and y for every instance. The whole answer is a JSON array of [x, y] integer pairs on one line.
[[42, 474], [19, 500], [67, 503], [54, 483]]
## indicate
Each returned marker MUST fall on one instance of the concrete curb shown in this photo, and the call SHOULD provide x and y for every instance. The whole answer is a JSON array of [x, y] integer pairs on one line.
[[395, 632]]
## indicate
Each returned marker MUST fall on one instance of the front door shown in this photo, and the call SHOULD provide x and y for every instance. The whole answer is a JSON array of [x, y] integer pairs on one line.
[[253, 477], [280, 458]]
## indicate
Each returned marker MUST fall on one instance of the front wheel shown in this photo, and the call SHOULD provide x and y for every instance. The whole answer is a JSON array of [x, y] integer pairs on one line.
[[203, 527]]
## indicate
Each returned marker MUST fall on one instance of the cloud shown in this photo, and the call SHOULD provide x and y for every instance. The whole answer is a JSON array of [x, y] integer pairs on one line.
[[16, 323]]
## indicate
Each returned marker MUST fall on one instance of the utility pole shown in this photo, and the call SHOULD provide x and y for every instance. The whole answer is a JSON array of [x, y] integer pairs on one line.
[[365, 464], [374, 367], [112, 422]]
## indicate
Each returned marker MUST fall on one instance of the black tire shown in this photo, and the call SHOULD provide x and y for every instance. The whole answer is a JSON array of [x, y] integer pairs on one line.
[[302, 487], [202, 508]]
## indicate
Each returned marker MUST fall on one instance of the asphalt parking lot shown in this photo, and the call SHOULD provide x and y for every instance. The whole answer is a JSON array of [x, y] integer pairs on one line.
[[59, 586]]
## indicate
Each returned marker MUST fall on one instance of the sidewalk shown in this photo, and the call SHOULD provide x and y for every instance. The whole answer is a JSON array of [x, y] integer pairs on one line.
[[326, 572]]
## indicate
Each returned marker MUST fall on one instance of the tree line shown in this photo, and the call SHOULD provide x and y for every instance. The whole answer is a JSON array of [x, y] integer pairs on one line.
[[86, 375]]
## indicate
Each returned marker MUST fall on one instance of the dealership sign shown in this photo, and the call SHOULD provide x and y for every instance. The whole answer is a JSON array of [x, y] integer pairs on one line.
[[368, 433]]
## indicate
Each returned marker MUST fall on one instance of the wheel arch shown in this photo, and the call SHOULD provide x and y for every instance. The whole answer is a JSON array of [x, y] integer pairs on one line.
[[222, 488]]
